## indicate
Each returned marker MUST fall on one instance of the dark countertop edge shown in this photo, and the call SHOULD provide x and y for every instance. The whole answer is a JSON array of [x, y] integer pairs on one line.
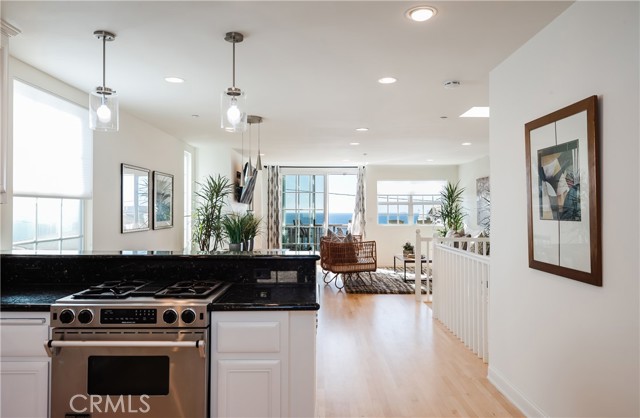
[[228, 307], [24, 307]]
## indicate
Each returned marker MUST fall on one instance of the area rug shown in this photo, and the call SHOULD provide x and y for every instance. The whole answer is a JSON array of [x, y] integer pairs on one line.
[[382, 281]]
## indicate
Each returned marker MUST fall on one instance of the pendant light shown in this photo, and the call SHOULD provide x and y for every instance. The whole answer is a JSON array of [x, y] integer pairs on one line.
[[103, 102], [259, 159], [233, 115]]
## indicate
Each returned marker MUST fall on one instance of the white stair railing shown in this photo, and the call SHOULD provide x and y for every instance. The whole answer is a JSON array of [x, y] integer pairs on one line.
[[460, 287]]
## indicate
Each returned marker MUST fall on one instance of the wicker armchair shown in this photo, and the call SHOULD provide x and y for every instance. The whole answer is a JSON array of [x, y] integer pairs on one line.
[[347, 259]]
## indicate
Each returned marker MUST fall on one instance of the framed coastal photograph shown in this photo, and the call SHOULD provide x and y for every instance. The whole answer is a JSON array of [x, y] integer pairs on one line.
[[162, 200], [134, 197], [563, 192]]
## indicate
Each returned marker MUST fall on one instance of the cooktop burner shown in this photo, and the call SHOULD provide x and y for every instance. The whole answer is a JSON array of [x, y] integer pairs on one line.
[[189, 289], [124, 289]]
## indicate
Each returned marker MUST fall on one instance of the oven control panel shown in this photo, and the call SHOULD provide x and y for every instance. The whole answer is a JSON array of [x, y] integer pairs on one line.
[[128, 316], [167, 316]]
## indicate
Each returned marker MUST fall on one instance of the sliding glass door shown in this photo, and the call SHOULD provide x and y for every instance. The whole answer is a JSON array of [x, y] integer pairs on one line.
[[313, 202]]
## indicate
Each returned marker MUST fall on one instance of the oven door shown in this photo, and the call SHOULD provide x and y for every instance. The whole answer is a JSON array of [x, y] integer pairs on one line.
[[114, 373]]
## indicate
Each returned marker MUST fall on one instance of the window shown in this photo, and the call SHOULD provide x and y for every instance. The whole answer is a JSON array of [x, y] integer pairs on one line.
[[188, 168], [408, 202], [312, 203], [52, 170]]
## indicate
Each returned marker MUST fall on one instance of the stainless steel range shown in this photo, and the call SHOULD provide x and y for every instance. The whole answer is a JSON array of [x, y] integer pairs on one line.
[[132, 347]]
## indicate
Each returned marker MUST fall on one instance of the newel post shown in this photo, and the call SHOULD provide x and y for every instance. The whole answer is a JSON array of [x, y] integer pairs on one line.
[[418, 266]]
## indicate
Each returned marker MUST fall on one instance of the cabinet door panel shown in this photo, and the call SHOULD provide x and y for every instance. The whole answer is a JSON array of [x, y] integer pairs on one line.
[[24, 389], [23, 336], [248, 337], [248, 388]]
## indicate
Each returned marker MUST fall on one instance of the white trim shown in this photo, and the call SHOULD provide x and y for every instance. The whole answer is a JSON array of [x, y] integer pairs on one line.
[[514, 395]]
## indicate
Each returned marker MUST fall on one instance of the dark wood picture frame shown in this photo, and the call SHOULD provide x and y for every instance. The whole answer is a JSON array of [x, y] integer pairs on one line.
[[162, 200], [563, 192]]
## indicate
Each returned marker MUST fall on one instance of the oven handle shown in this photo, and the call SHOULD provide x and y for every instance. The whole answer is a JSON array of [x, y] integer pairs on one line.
[[52, 346]]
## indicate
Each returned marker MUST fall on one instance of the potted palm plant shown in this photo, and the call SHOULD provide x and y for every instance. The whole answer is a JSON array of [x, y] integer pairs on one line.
[[251, 230], [207, 218], [451, 212], [233, 225]]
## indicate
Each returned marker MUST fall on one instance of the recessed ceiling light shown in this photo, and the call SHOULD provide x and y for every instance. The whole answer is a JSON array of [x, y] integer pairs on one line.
[[354, 143], [362, 129], [421, 13], [229, 129], [195, 116], [175, 80], [430, 160], [262, 154], [476, 112], [466, 143], [387, 80]]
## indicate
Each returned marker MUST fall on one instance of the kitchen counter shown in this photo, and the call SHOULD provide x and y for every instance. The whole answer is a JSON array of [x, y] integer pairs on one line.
[[34, 298], [283, 296], [266, 280]]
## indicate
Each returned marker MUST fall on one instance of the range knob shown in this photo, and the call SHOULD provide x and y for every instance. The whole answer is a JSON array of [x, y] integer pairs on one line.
[[85, 316], [67, 316], [188, 316], [170, 316]]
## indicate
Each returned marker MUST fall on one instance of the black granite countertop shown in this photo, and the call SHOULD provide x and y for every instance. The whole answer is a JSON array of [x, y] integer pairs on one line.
[[282, 296], [261, 280], [34, 298]]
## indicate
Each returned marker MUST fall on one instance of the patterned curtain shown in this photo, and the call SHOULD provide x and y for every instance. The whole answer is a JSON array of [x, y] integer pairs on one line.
[[358, 210], [273, 206]]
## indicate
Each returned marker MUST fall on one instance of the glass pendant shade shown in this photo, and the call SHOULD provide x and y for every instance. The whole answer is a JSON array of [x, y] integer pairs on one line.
[[233, 115], [103, 110]]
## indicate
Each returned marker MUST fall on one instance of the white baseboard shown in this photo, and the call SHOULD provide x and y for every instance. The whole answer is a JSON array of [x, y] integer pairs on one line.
[[514, 395]]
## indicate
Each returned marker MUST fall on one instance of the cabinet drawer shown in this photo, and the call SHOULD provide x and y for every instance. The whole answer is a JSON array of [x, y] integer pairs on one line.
[[248, 337], [23, 336]]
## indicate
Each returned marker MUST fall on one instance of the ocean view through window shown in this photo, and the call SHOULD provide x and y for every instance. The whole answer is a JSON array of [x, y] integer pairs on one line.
[[314, 202], [409, 202]]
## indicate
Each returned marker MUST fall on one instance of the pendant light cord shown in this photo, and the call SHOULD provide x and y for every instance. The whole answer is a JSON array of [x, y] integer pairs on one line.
[[234, 65], [104, 48]]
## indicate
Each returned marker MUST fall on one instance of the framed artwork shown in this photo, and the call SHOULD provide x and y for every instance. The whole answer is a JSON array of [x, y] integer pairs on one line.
[[134, 182], [483, 200], [162, 200], [563, 196]]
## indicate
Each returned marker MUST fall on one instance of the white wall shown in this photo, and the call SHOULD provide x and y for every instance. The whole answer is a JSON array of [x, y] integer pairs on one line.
[[560, 347], [136, 143], [390, 238], [468, 174], [140, 144]]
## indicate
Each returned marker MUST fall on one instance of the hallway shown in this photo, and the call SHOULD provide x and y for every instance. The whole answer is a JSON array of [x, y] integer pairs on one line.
[[384, 356]]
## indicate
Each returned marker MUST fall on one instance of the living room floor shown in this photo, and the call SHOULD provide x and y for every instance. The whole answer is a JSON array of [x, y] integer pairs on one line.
[[385, 356]]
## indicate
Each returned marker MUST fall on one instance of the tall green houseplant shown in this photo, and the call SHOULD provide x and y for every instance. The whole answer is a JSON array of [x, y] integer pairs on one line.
[[451, 212], [207, 218]]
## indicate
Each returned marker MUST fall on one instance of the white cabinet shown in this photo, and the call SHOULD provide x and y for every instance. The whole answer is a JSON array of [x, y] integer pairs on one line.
[[24, 364], [263, 364]]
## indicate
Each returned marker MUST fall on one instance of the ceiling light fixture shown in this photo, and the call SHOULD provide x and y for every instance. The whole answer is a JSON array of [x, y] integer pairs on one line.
[[362, 129], [466, 144], [476, 112], [354, 143], [103, 102], [174, 80], [251, 119], [233, 116], [451, 84], [387, 80], [421, 13]]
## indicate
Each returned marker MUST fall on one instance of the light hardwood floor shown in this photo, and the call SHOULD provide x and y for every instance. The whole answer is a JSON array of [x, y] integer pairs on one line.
[[385, 356]]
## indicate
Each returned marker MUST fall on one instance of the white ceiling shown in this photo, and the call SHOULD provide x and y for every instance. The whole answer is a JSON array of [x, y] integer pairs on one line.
[[309, 68]]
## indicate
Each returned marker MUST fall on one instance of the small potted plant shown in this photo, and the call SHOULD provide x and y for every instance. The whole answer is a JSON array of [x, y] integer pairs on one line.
[[233, 227], [407, 250]]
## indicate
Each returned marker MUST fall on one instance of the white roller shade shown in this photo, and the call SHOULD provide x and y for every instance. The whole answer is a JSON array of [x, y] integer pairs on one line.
[[52, 145]]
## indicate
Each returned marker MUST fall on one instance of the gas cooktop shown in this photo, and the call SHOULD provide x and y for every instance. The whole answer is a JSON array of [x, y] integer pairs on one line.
[[125, 289]]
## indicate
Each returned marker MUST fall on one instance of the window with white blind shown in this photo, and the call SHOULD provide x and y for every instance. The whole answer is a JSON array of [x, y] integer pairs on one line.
[[52, 170]]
